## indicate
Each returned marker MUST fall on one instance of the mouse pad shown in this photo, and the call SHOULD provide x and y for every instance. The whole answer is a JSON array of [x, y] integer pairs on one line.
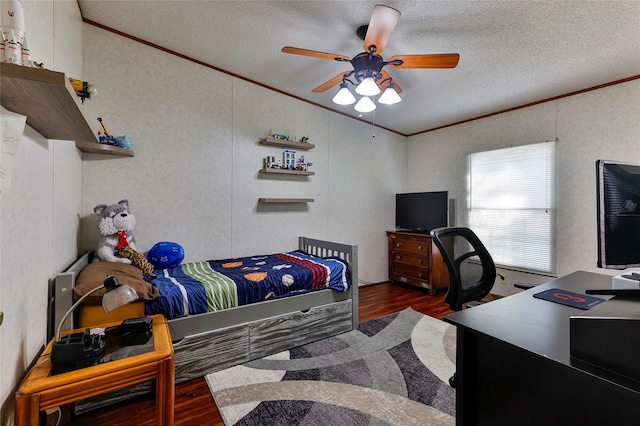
[[569, 298]]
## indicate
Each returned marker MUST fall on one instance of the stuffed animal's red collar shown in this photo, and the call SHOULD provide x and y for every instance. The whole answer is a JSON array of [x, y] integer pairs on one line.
[[122, 239]]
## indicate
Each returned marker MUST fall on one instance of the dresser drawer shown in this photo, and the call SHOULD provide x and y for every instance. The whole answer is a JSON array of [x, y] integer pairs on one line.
[[415, 247], [400, 258], [407, 271]]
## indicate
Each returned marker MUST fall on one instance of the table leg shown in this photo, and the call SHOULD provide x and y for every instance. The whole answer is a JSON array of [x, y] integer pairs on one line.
[[27, 410], [165, 392]]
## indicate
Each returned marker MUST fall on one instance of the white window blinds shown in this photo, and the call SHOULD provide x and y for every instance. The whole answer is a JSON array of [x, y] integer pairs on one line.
[[512, 205]]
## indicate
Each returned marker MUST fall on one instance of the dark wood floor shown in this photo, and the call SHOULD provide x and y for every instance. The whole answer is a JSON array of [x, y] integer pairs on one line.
[[194, 404]]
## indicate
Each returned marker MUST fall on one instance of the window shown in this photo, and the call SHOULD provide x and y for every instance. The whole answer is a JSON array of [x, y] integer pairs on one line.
[[512, 205]]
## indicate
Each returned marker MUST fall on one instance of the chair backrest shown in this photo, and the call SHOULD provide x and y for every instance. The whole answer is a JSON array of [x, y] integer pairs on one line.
[[472, 271]]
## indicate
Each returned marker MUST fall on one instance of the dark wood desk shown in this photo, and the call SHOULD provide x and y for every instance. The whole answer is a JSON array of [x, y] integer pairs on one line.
[[513, 364]]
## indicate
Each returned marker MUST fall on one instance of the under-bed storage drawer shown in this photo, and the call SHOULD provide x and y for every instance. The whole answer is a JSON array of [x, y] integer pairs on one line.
[[277, 334], [216, 350]]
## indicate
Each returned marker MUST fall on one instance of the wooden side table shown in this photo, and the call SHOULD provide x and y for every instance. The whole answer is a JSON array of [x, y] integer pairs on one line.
[[40, 391]]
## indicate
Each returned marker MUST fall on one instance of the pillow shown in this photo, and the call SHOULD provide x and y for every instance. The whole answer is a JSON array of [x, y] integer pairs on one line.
[[94, 274]]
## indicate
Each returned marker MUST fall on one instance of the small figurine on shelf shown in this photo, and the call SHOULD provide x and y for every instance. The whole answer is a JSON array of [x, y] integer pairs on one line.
[[271, 163], [83, 89], [302, 164], [280, 137], [304, 139]]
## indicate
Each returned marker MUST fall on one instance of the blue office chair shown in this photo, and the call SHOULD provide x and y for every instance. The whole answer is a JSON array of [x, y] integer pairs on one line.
[[472, 271]]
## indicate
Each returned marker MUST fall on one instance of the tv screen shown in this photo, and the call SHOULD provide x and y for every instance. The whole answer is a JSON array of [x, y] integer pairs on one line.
[[618, 207], [422, 211]]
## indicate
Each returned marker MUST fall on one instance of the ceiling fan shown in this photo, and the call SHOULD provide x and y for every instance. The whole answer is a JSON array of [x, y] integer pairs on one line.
[[370, 77]]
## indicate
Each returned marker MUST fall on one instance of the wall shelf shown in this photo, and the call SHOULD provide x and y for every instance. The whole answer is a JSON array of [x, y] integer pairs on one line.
[[51, 106], [286, 172], [286, 144], [286, 200], [100, 148]]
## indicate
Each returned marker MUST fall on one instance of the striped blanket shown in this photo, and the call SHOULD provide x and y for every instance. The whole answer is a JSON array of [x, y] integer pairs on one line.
[[213, 285]]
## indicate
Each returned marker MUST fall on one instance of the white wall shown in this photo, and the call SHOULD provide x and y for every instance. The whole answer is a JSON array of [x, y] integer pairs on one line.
[[39, 213], [194, 178], [600, 124]]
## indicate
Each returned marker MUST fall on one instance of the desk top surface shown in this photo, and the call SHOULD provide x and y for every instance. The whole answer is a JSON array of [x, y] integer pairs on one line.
[[537, 325]]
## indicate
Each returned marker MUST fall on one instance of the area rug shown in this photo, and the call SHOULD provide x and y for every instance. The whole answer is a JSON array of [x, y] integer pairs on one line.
[[391, 371]]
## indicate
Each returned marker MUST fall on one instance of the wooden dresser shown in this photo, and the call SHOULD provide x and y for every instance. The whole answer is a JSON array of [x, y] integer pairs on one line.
[[415, 260]]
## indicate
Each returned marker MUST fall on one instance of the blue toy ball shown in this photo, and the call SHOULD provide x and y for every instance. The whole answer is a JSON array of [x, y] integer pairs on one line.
[[166, 254]]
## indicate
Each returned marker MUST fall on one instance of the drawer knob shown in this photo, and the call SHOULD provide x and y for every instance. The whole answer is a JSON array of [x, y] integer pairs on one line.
[[398, 245], [398, 257], [419, 247], [420, 261], [420, 275]]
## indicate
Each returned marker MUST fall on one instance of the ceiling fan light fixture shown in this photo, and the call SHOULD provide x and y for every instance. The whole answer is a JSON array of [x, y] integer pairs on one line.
[[368, 87], [365, 104], [389, 96], [344, 96]]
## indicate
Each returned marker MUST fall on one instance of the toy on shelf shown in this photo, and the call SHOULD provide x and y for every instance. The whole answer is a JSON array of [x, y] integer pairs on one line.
[[14, 48], [83, 89], [289, 162], [122, 141], [289, 159], [303, 165], [270, 162]]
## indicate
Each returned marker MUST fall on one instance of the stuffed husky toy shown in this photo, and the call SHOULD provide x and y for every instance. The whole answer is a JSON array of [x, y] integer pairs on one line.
[[115, 224], [117, 243]]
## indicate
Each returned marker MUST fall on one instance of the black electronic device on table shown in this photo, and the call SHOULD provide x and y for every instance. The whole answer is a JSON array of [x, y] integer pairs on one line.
[[77, 347], [135, 325]]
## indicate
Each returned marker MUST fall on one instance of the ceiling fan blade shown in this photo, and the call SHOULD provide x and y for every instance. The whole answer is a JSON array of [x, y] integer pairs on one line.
[[314, 54], [385, 75], [383, 21], [438, 60], [329, 84]]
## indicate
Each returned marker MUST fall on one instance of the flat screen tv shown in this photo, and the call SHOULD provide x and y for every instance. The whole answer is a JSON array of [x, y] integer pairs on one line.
[[618, 194], [422, 211]]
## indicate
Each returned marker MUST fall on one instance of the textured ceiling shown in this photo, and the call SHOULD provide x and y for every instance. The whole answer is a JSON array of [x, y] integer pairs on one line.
[[512, 53]]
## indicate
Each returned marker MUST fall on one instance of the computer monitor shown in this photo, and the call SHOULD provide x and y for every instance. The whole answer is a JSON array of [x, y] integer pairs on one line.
[[618, 211]]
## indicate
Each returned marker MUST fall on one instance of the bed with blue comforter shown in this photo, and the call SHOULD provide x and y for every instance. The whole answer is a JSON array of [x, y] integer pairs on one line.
[[213, 285]]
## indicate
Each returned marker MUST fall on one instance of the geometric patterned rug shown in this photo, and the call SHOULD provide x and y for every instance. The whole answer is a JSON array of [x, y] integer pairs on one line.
[[393, 370]]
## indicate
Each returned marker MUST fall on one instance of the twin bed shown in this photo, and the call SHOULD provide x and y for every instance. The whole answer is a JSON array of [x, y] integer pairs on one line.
[[212, 333]]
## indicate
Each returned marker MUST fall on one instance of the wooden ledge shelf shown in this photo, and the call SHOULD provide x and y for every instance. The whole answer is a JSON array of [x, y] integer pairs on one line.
[[286, 144], [48, 101], [101, 148], [285, 200], [286, 172]]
